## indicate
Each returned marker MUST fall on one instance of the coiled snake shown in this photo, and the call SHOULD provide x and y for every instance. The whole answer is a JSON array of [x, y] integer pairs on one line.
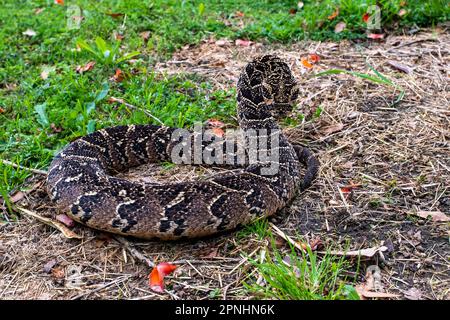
[[81, 183]]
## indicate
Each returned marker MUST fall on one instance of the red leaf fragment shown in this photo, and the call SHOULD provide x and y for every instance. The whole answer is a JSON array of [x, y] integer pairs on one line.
[[156, 277], [17, 196], [239, 14], [366, 17], [375, 36], [60, 2], [314, 58]]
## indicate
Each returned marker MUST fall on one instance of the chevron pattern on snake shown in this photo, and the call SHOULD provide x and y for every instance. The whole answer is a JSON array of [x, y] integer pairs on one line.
[[82, 184]]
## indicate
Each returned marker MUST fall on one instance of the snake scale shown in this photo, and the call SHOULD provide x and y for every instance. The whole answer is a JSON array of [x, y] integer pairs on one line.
[[81, 179]]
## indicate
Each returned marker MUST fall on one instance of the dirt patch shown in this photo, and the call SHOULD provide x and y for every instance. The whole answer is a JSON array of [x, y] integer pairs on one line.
[[380, 164]]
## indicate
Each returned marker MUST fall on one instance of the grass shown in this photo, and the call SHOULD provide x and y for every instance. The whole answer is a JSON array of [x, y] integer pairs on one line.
[[39, 116], [304, 276]]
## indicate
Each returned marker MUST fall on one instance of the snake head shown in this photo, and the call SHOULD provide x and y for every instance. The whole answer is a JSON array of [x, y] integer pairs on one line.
[[281, 95]]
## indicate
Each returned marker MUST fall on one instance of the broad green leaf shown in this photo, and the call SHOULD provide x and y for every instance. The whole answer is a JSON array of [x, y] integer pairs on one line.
[[128, 56], [102, 46], [103, 92], [91, 126], [84, 45], [201, 8], [42, 114], [90, 107]]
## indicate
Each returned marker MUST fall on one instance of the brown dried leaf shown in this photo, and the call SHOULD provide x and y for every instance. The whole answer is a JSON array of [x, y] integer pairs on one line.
[[38, 10], [54, 128], [2, 110], [88, 66], [145, 35], [413, 294], [332, 129], [436, 216], [17, 197], [334, 14], [114, 15], [399, 66]]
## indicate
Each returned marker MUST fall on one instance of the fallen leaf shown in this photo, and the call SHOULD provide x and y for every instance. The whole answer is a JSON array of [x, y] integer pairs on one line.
[[306, 63], [55, 224], [118, 76], [339, 27], [315, 244], [402, 12], [399, 66], [58, 273], [88, 66], [413, 294], [214, 123], [292, 11], [66, 220], [49, 266], [46, 70], [239, 14], [375, 36], [243, 43], [372, 287], [334, 14], [402, 3], [332, 129], [300, 5], [314, 58], [368, 253], [156, 277], [366, 17], [218, 132], [221, 42], [17, 197], [145, 35], [54, 128], [29, 32], [349, 188], [60, 2], [2, 110], [114, 15], [118, 36], [38, 10], [436, 216], [112, 100]]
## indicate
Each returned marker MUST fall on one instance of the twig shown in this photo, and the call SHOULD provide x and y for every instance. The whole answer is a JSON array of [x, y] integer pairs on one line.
[[12, 164], [135, 253], [286, 237], [121, 101], [85, 294]]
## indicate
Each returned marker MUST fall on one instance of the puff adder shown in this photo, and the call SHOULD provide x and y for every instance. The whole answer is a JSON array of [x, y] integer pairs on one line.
[[81, 179]]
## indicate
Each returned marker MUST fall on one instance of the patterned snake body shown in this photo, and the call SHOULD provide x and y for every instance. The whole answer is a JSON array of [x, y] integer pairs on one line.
[[81, 182]]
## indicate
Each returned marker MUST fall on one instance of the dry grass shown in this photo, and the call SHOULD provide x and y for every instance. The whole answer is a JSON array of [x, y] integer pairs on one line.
[[398, 158]]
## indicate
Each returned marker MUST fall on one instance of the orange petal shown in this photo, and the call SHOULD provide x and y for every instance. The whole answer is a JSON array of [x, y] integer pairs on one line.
[[306, 63], [334, 14], [165, 268], [156, 281]]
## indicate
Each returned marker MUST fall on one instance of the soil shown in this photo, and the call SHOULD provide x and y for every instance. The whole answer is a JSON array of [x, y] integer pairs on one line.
[[381, 164]]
